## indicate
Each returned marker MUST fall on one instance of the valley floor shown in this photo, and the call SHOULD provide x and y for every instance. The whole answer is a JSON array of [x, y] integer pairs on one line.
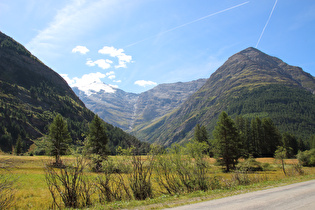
[[31, 191]]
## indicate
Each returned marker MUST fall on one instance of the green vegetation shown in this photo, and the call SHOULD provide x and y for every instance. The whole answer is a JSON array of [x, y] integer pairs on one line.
[[32, 191], [260, 137], [307, 158], [281, 154], [59, 139], [292, 109], [227, 142], [96, 143]]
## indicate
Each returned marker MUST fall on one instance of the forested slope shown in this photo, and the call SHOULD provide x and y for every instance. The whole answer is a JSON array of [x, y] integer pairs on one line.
[[31, 95]]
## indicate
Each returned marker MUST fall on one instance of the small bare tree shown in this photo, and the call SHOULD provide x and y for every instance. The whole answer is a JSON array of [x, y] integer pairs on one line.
[[111, 183], [281, 154], [140, 178], [68, 185]]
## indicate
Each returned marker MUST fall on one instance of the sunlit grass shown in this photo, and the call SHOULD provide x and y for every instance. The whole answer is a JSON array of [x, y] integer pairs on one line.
[[32, 191]]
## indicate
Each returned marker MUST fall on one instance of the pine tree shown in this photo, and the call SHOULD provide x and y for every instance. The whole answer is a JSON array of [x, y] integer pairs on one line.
[[227, 142], [290, 143], [271, 138], [59, 137], [197, 135], [243, 127], [312, 142], [257, 136], [201, 134], [248, 142], [204, 134], [97, 142], [18, 146]]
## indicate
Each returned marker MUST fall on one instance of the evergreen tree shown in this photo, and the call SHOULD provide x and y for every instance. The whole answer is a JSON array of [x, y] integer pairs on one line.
[[227, 142], [197, 135], [97, 142], [271, 138], [204, 134], [201, 134], [301, 145], [248, 142], [243, 127], [59, 137], [18, 146], [312, 142], [257, 136], [290, 143]]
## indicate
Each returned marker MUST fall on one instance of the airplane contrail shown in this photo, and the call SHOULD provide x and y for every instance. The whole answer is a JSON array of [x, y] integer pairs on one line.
[[185, 24], [266, 23]]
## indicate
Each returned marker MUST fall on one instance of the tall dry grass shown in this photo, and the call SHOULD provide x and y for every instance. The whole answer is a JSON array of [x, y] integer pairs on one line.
[[32, 191]]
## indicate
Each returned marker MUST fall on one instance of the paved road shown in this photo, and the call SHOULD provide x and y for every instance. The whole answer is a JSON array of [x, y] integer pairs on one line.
[[294, 196]]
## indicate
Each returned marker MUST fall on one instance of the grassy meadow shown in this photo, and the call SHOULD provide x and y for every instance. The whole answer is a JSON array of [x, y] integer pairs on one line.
[[31, 191]]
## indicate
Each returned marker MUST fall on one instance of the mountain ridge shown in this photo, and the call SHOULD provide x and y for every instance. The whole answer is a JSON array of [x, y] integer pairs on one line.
[[129, 110], [241, 74]]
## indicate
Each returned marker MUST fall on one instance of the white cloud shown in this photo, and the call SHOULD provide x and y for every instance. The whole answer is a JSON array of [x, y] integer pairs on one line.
[[90, 83], [144, 83], [111, 51], [123, 59], [80, 49], [110, 73], [112, 77], [118, 81], [102, 63]]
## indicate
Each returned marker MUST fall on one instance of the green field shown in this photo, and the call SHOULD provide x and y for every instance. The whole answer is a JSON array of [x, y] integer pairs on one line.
[[31, 191]]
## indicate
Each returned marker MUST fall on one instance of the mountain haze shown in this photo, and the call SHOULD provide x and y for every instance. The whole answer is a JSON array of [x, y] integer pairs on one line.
[[249, 83]]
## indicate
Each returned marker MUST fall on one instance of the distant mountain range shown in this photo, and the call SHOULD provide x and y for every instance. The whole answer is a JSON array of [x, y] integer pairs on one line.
[[130, 110], [31, 95], [250, 83]]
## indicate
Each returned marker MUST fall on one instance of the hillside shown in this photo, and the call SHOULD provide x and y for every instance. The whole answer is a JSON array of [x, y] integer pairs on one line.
[[31, 94], [249, 83], [129, 110]]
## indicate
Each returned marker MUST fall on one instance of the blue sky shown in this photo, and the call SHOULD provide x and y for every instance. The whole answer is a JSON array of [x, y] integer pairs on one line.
[[137, 44]]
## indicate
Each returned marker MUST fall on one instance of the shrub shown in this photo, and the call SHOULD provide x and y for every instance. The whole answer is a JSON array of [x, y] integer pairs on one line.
[[184, 169], [140, 177], [296, 169], [249, 164], [111, 183], [166, 174], [68, 185], [307, 158]]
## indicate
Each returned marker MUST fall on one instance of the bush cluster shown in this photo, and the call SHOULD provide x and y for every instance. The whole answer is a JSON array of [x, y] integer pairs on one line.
[[307, 158]]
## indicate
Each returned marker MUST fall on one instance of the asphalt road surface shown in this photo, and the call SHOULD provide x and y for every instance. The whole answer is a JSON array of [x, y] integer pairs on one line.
[[294, 196]]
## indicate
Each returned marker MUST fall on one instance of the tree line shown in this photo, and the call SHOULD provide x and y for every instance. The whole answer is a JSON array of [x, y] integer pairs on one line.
[[246, 138]]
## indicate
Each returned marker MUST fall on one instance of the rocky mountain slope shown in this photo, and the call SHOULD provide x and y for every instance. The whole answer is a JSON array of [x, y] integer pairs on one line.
[[249, 83], [130, 110], [31, 94]]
